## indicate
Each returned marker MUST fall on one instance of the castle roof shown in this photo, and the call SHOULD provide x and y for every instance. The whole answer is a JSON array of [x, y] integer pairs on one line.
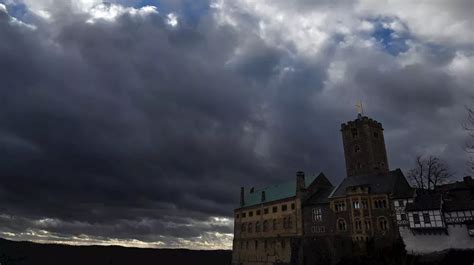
[[393, 183], [275, 192]]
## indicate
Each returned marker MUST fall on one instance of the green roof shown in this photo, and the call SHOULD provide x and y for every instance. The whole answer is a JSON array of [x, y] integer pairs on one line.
[[275, 192]]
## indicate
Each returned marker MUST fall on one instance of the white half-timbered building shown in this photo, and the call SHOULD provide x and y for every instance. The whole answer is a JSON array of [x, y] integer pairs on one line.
[[438, 220]]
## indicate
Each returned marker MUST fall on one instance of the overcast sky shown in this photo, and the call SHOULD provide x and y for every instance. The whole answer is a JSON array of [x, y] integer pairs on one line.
[[136, 122]]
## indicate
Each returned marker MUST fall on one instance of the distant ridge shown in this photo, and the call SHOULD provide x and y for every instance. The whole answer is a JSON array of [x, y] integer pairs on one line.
[[29, 253]]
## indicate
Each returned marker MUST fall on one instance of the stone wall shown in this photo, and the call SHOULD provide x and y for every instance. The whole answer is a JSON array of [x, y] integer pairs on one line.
[[457, 237]]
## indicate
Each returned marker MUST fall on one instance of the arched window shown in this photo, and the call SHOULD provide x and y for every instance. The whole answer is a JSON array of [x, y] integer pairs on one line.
[[265, 226], [383, 224], [341, 225], [243, 227], [358, 224], [257, 227], [249, 228], [367, 225]]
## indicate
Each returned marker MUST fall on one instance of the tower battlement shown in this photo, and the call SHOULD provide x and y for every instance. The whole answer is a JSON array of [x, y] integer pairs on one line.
[[361, 120]]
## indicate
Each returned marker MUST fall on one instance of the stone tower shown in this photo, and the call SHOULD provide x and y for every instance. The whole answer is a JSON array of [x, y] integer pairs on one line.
[[364, 147]]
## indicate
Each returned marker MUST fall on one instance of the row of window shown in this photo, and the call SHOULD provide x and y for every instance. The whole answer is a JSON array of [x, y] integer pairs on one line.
[[341, 225], [426, 218], [283, 208], [247, 244], [355, 133], [377, 204], [264, 226]]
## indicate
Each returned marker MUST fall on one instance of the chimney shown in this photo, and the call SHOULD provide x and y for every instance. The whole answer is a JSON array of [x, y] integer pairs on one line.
[[242, 197], [263, 196], [300, 183]]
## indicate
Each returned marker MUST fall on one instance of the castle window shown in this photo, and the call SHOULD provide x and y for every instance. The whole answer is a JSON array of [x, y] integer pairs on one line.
[[284, 223], [250, 213], [247, 245], [284, 207], [356, 149], [380, 204], [257, 227], [265, 226], [256, 244], [403, 217], [275, 209], [367, 225], [341, 225], [317, 215], [416, 218], [249, 228], [265, 211], [283, 243], [426, 218], [244, 225], [258, 212], [274, 224], [376, 135], [292, 206], [289, 222], [356, 204], [243, 215], [237, 216], [358, 224], [383, 224], [354, 133], [265, 244], [364, 204], [340, 206]]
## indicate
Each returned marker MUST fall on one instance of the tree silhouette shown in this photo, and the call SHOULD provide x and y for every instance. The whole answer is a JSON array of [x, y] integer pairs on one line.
[[429, 173]]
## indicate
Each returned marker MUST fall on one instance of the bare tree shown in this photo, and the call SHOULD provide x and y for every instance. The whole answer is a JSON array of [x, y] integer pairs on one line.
[[429, 173]]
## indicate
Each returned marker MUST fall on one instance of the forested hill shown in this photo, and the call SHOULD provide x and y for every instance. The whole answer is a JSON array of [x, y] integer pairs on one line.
[[28, 253]]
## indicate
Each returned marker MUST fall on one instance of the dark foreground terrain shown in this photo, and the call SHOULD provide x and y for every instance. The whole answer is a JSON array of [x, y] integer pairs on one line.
[[27, 253]]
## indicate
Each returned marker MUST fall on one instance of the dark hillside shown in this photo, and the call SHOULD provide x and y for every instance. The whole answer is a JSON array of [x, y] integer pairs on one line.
[[27, 253]]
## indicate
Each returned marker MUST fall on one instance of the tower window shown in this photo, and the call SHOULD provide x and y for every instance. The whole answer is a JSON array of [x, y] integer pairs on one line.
[[356, 149], [354, 133], [376, 135]]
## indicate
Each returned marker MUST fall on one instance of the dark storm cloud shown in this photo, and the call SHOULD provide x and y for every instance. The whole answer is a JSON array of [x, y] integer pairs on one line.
[[134, 129], [114, 120]]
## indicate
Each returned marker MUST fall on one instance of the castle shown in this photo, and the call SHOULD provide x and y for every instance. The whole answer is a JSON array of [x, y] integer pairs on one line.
[[307, 220]]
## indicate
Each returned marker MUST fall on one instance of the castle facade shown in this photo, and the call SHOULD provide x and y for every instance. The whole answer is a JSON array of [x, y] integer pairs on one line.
[[308, 220]]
